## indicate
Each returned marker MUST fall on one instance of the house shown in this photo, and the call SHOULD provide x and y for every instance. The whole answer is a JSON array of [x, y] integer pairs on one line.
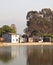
[[30, 39], [46, 39], [11, 37], [37, 39], [21, 39], [25, 38]]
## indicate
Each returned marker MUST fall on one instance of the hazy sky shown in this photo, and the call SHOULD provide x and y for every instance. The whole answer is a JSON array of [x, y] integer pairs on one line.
[[14, 11]]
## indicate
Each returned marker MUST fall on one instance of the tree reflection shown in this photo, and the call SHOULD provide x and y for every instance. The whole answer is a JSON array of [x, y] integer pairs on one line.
[[35, 57], [5, 54]]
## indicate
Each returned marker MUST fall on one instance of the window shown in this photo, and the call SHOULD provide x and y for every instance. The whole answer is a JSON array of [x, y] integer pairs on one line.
[[16, 39], [13, 39]]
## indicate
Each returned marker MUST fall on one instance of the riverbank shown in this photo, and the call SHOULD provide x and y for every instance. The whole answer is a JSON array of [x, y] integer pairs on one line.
[[25, 44]]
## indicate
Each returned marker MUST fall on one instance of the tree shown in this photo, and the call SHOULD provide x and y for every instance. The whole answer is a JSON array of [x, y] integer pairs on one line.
[[6, 29], [13, 26], [1, 32], [41, 21]]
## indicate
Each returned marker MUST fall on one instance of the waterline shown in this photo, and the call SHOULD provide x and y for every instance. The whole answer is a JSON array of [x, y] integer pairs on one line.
[[24, 44]]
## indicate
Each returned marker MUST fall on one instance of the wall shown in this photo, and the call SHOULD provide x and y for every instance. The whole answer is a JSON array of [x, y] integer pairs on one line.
[[7, 37], [15, 38]]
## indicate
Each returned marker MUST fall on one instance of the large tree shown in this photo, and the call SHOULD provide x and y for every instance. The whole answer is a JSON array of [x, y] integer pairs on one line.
[[39, 23]]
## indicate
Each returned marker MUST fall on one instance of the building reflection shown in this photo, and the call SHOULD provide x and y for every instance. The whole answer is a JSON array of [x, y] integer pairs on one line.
[[27, 55], [11, 52], [8, 53]]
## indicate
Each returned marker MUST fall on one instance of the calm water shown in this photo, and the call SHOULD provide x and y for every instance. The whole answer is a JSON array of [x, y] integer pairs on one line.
[[26, 55]]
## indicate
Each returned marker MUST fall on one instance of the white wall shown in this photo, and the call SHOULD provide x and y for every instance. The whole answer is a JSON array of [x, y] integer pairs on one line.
[[15, 38]]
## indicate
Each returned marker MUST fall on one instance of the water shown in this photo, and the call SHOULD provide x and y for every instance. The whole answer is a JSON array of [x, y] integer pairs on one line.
[[26, 55]]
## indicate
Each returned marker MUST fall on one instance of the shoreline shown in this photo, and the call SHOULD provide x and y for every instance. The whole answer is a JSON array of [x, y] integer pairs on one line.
[[25, 44]]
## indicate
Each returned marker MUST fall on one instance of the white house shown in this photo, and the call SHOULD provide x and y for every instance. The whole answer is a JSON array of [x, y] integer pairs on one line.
[[11, 37]]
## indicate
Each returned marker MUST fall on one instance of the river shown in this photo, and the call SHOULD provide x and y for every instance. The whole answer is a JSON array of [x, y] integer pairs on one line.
[[26, 55]]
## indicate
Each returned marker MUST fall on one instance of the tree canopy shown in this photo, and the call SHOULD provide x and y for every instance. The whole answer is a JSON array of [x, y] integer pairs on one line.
[[6, 29], [39, 23]]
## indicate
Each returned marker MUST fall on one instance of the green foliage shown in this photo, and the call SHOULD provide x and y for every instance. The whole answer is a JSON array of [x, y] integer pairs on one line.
[[1, 32], [6, 29], [48, 35]]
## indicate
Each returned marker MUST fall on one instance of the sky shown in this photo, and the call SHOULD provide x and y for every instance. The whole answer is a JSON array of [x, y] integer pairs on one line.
[[15, 11]]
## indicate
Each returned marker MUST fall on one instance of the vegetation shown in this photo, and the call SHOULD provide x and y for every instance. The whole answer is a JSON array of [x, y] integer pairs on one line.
[[48, 35], [13, 26], [40, 23], [6, 29]]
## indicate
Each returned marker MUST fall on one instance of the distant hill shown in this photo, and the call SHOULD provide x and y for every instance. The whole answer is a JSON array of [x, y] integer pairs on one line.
[[39, 23]]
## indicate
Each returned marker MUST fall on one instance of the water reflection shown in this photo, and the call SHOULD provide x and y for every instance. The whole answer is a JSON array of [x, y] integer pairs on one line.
[[26, 55], [14, 54], [5, 54], [40, 55], [34, 54]]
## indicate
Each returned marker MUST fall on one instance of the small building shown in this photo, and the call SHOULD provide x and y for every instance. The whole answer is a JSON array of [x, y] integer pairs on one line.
[[21, 39], [25, 38], [37, 39], [30, 39], [11, 37], [46, 39]]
